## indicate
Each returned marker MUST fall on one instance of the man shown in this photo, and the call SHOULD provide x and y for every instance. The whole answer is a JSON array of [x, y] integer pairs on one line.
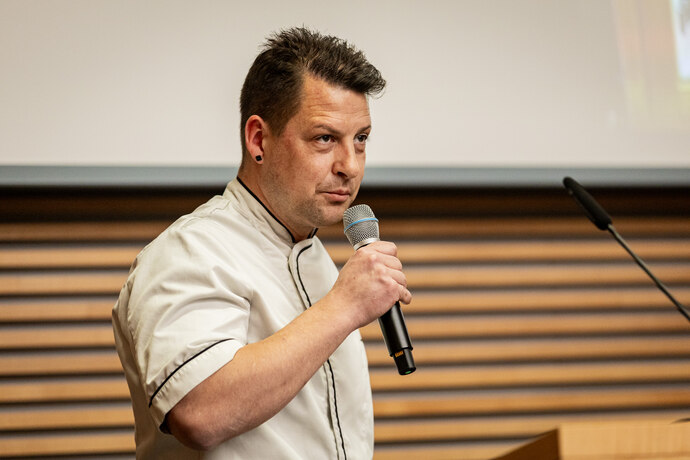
[[237, 334]]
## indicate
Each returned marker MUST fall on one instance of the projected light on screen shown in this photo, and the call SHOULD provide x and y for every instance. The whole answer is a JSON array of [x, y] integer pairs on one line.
[[681, 29], [654, 43]]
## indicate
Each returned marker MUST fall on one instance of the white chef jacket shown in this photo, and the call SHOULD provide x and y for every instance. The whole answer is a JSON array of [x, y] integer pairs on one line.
[[226, 275]]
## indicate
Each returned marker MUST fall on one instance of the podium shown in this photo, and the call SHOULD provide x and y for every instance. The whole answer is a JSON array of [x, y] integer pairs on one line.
[[609, 440]]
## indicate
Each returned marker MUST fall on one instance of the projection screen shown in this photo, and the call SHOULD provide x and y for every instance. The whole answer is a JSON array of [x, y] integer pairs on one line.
[[478, 91]]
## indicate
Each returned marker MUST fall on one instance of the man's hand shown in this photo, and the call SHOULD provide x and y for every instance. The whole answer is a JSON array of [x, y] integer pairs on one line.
[[370, 282]]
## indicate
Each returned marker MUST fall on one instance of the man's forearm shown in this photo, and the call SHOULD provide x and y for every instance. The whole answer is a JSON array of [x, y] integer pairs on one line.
[[264, 376], [261, 379]]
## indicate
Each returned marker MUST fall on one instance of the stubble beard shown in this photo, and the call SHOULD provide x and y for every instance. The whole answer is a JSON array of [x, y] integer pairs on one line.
[[322, 215], [306, 212]]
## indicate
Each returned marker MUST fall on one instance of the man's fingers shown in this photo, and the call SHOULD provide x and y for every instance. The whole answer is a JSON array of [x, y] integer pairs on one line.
[[384, 247], [389, 253], [405, 296]]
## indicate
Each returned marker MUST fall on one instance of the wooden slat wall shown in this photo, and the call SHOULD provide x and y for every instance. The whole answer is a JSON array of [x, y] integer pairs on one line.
[[524, 316]]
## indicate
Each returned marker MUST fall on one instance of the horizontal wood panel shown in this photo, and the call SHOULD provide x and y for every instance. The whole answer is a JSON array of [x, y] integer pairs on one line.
[[603, 298], [106, 389], [67, 444], [100, 335], [549, 201], [82, 231], [403, 405], [528, 276], [444, 451], [425, 377], [392, 228], [532, 374], [73, 309], [528, 227], [62, 283], [538, 325], [425, 354], [461, 403], [115, 388], [516, 349], [57, 363], [70, 283], [22, 419], [103, 203], [144, 202], [389, 431], [56, 309], [527, 251], [386, 431], [77, 257], [104, 256]]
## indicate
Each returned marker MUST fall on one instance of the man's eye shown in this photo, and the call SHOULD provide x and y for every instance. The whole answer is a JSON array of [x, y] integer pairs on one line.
[[362, 138], [326, 138]]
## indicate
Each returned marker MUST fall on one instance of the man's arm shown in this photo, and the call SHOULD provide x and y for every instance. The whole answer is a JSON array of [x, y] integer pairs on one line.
[[265, 376]]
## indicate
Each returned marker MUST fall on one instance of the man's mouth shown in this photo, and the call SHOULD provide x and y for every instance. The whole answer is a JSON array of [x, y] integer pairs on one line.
[[338, 195]]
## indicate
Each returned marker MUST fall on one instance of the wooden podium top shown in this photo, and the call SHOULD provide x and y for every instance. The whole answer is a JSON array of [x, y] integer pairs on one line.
[[609, 440]]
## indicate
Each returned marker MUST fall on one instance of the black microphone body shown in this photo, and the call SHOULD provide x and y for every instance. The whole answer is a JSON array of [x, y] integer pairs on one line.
[[361, 228], [599, 217], [397, 339]]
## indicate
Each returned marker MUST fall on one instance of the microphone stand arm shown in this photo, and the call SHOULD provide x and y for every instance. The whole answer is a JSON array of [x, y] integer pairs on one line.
[[646, 269]]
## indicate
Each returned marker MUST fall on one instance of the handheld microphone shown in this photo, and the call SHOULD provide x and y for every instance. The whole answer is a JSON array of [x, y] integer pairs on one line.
[[602, 221], [361, 228]]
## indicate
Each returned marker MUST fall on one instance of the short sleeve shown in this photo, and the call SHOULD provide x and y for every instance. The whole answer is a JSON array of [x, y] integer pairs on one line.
[[188, 312]]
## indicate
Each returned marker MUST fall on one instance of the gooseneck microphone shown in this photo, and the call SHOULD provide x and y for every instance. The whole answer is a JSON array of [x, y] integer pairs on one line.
[[362, 228], [602, 221]]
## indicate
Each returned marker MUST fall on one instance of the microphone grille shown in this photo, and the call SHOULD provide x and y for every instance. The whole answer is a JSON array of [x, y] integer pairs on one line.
[[360, 224]]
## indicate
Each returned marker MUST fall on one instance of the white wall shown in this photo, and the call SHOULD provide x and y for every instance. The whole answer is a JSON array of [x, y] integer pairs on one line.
[[529, 83]]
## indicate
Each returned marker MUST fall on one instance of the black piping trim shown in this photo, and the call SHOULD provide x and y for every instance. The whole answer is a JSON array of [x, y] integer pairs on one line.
[[299, 274], [180, 367], [337, 417], [328, 361], [266, 208]]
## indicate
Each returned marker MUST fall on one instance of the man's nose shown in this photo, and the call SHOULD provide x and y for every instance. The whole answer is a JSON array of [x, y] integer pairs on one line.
[[347, 162]]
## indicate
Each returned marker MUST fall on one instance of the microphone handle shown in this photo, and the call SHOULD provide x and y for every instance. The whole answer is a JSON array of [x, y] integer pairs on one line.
[[397, 339], [394, 332]]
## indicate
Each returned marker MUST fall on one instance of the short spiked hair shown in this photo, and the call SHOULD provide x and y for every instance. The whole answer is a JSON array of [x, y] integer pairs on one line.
[[273, 85]]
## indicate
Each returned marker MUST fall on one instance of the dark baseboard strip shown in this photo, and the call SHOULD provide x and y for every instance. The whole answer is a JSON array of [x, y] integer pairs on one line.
[[376, 176]]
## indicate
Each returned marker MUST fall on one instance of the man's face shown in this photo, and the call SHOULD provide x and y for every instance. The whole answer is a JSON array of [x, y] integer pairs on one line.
[[313, 170]]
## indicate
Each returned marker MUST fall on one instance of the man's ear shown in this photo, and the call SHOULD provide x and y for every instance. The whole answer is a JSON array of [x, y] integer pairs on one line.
[[254, 131]]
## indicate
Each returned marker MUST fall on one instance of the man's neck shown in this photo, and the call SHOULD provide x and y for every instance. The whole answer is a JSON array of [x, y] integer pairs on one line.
[[254, 189]]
